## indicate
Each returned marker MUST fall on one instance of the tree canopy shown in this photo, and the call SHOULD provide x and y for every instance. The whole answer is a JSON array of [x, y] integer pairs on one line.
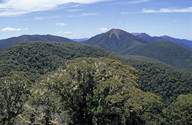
[[180, 111], [14, 92], [91, 91]]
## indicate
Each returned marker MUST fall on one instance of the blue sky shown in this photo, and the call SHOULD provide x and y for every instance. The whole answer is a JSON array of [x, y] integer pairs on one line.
[[86, 18]]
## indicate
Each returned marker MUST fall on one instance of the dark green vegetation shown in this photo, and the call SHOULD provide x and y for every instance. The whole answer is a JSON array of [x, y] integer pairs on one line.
[[161, 79], [116, 40], [5, 43], [180, 111], [38, 58], [14, 92], [89, 91], [166, 52], [182, 42]]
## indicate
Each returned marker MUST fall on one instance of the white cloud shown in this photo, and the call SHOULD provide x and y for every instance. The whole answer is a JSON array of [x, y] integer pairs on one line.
[[83, 15], [89, 14], [45, 17], [67, 33], [18, 7], [168, 10], [103, 29], [138, 1], [60, 24], [134, 2], [13, 29], [74, 10]]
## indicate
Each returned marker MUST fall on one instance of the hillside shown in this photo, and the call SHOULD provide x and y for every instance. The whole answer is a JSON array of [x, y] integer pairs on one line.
[[28, 38], [160, 78], [38, 58], [116, 40], [166, 52], [182, 42]]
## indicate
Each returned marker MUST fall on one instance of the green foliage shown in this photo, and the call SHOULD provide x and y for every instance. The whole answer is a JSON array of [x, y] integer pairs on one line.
[[167, 52], [180, 111], [90, 91], [38, 58], [42, 107], [161, 79], [113, 94], [148, 106], [14, 92]]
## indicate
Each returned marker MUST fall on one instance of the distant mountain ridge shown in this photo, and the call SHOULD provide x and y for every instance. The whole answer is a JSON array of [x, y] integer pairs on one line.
[[116, 40], [167, 52], [30, 38], [182, 42], [80, 39]]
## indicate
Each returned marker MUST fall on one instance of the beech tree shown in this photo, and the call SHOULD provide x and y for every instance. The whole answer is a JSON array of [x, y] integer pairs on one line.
[[14, 92], [89, 91], [180, 111]]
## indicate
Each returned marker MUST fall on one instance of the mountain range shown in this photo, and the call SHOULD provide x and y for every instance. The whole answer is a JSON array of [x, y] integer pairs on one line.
[[182, 42], [125, 43], [4, 43], [122, 42]]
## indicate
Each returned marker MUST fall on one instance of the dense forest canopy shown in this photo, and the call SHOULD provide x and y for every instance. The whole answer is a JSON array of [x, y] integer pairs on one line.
[[88, 91], [137, 105]]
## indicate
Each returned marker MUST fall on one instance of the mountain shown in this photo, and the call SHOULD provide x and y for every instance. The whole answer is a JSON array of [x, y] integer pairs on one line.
[[124, 43], [145, 37], [38, 58], [167, 52], [182, 42], [116, 40], [28, 38]]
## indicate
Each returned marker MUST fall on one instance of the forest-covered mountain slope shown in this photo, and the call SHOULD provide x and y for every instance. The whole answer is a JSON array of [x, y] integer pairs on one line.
[[126, 44], [38, 58], [182, 42], [116, 40], [166, 52], [28, 38]]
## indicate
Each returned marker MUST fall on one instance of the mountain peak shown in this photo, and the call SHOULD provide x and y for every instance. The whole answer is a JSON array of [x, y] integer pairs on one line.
[[116, 40], [116, 32]]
